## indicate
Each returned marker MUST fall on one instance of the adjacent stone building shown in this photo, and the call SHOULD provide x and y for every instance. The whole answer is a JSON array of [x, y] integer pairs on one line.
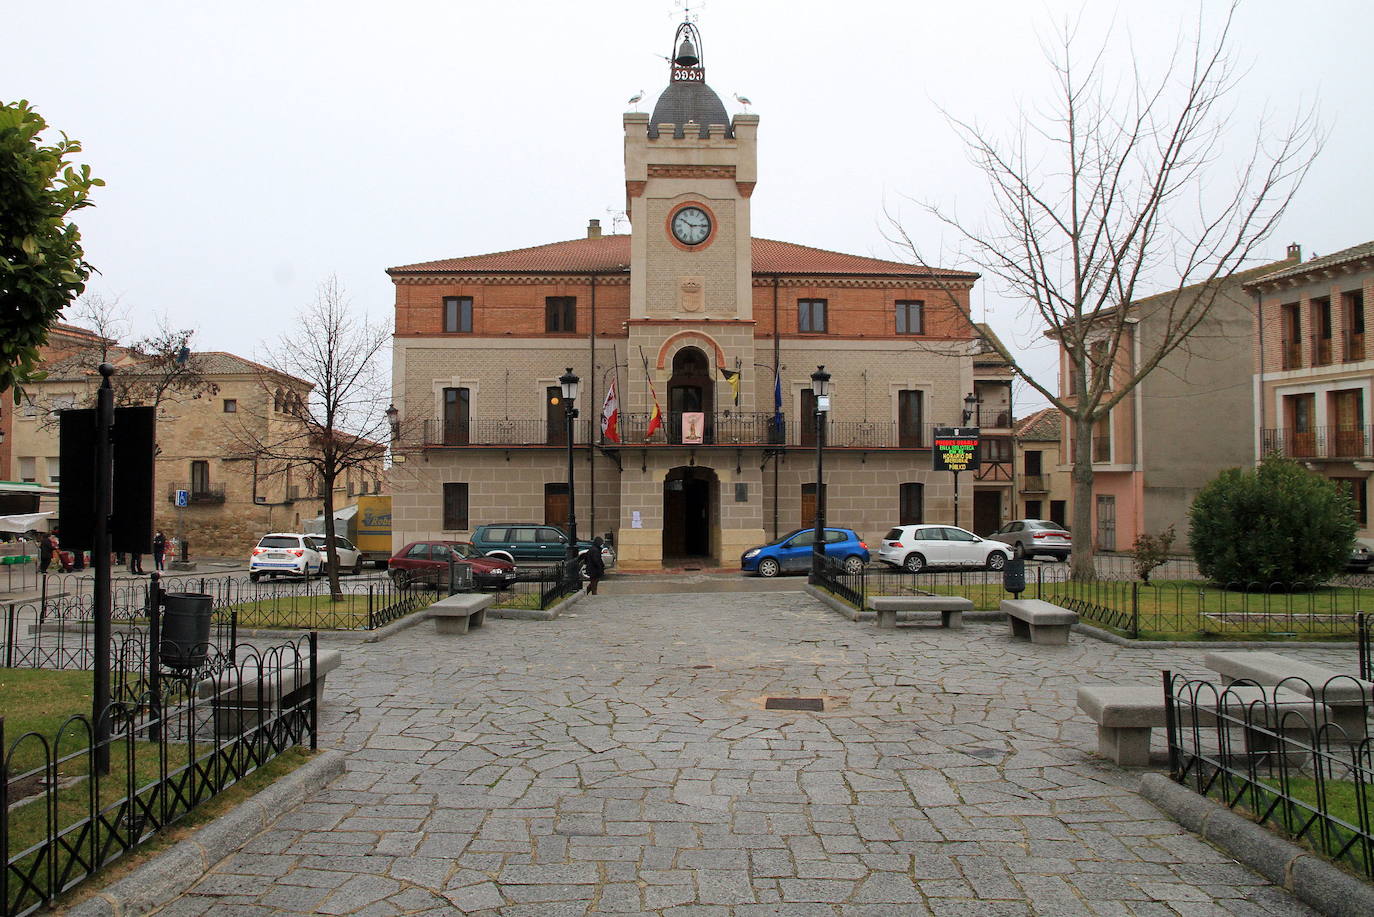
[[233, 497], [1043, 486], [693, 317]]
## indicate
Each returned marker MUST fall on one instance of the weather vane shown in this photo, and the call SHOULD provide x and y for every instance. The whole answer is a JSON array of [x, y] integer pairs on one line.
[[686, 6]]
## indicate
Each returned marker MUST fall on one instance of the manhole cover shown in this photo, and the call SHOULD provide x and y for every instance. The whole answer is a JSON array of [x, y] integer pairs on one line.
[[795, 703]]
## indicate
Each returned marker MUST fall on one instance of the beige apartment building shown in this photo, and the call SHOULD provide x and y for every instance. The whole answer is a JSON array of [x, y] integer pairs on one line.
[[1189, 419], [1043, 486], [695, 322], [233, 497], [1313, 372]]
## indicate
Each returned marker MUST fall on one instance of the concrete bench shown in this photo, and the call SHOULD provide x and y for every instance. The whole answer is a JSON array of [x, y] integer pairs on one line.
[[1348, 697], [457, 613], [1125, 714], [248, 694], [950, 607], [1040, 622]]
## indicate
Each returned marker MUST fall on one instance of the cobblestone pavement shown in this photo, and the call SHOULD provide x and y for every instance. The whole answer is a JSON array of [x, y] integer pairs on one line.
[[619, 760]]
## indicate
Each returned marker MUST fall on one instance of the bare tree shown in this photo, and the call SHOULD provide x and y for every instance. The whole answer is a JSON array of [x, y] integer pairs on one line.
[[108, 317], [1119, 181], [163, 366], [340, 424]]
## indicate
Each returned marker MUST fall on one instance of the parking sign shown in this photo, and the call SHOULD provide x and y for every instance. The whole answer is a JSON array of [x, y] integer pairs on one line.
[[183, 498]]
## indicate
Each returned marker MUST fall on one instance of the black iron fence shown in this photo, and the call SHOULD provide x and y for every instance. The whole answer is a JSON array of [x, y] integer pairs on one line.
[[540, 588], [70, 805], [1155, 610], [1280, 761], [1364, 625], [847, 584]]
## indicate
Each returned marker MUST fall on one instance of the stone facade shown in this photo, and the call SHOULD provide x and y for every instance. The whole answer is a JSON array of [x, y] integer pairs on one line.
[[234, 499]]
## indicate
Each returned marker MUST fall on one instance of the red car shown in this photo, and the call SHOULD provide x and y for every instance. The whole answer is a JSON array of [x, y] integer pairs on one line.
[[427, 562]]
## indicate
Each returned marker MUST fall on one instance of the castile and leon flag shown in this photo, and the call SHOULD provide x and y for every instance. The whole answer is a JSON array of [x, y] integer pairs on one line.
[[610, 415]]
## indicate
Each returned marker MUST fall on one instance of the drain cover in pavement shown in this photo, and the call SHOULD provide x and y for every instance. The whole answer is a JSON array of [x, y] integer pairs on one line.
[[794, 703]]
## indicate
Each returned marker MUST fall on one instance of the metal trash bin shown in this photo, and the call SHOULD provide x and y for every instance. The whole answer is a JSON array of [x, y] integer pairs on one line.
[[1014, 576], [459, 577], [185, 639]]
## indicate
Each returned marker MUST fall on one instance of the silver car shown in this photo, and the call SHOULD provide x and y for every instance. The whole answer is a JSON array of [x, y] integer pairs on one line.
[[1031, 537]]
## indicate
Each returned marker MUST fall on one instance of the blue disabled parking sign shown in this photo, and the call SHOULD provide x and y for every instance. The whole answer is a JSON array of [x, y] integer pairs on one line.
[[183, 498]]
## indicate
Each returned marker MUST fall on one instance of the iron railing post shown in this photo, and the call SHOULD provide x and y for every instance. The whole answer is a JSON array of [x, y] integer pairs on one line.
[[1171, 724], [314, 690], [1135, 611], [10, 621]]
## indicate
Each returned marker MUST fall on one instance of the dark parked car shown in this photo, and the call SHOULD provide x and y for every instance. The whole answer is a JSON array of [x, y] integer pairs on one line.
[[427, 562], [792, 552], [1360, 558], [530, 541]]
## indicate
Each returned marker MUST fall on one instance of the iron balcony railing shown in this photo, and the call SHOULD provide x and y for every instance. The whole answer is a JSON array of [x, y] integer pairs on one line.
[[1035, 483], [1292, 354], [724, 428], [196, 494], [1338, 442], [1354, 347]]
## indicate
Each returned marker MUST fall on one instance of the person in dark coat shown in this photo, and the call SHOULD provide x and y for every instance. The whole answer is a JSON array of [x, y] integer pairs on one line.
[[595, 566], [45, 549], [135, 563], [159, 550]]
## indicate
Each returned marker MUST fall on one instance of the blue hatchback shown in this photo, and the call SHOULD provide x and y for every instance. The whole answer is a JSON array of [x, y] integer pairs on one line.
[[792, 552]]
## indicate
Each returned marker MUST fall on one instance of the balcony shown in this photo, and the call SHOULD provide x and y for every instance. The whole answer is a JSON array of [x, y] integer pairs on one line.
[[1292, 354], [1321, 351], [1354, 347], [1342, 442], [731, 428], [1102, 448], [197, 496], [1035, 483]]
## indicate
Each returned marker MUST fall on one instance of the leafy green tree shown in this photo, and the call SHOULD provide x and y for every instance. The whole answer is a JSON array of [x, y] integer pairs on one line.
[[1275, 524], [42, 266]]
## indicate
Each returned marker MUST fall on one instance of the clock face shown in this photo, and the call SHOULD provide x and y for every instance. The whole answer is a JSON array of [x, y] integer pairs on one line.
[[691, 225]]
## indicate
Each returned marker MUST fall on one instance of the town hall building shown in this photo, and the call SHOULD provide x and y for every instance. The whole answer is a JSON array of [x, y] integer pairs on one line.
[[709, 337]]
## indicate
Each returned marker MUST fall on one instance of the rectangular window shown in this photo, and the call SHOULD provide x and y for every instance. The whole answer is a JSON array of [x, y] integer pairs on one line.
[[231, 406], [811, 316], [1032, 509], [1032, 460], [200, 478], [457, 404], [910, 318], [1352, 307], [1290, 323], [560, 314], [54, 469], [995, 449], [1102, 439], [1321, 331], [1355, 487], [910, 419], [29, 408], [455, 507], [911, 504], [1106, 522], [458, 314]]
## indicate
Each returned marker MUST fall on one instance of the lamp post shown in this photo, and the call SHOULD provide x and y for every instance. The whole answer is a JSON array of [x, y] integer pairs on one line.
[[820, 388], [393, 421], [970, 406], [569, 382]]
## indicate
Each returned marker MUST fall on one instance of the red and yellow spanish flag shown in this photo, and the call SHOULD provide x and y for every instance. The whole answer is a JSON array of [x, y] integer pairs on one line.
[[656, 417]]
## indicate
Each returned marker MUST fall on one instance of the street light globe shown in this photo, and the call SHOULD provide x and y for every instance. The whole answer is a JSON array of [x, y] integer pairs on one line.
[[820, 382], [569, 382]]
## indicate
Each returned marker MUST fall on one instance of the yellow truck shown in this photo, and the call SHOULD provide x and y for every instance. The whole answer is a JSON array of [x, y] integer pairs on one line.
[[370, 529]]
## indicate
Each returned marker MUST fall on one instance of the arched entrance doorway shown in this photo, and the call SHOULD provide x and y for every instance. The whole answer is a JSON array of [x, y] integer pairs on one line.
[[690, 494], [690, 391]]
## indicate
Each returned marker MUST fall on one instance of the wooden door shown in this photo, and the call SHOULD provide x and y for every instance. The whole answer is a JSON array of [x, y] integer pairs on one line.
[[557, 433], [1348, 410], [909, 419], [556, 505]]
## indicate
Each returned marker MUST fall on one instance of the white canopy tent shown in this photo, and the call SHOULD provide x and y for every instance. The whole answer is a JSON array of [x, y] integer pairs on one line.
[[26, 522]]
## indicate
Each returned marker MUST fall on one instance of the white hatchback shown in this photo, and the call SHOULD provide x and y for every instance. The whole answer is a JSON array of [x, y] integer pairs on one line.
[[286, 554], [915, 547]]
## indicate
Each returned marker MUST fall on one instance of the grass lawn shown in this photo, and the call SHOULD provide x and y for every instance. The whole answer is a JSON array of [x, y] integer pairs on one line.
[[1341, 803], [305, 612], [1182, 609], [41, 702]]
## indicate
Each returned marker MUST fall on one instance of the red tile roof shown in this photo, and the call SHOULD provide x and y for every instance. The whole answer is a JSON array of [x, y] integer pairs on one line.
[[612, 254]]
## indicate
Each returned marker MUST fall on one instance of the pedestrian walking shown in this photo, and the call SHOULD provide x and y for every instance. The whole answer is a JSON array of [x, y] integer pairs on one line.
[[594, 565], [46, 546], [135, 563], [159, 550]]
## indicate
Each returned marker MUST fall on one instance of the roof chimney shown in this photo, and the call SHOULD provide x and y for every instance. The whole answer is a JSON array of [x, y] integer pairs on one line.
[[594, 230], [1294, 251]]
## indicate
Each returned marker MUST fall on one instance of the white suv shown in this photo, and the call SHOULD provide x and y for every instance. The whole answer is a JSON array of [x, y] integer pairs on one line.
[[286, 554], [915, 547]]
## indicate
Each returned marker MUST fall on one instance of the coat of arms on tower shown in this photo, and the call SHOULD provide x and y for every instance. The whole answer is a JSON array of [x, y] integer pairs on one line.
[[690, 297]]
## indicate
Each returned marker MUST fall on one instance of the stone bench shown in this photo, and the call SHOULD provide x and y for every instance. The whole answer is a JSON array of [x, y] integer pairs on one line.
[[457, 613], [1348, 697], [950, 607], [246, 695], [1038, 621], [1125, 714]]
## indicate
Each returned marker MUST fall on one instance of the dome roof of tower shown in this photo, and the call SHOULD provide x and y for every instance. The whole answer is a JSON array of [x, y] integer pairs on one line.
[[684, 101]]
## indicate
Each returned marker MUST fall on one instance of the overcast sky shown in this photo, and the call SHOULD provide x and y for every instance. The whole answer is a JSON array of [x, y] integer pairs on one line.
[[251, 149]]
